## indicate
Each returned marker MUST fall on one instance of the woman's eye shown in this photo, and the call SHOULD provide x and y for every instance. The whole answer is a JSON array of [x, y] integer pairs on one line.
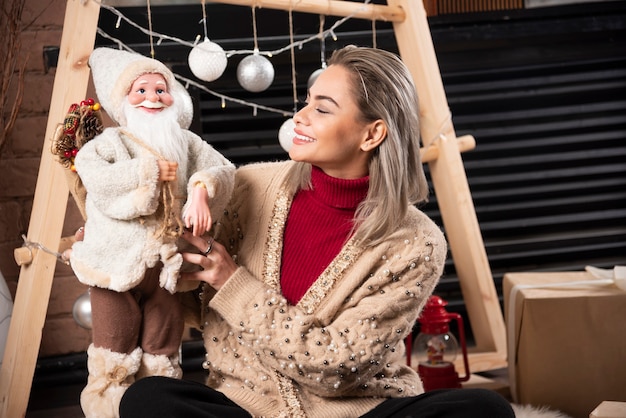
[[301, 104]]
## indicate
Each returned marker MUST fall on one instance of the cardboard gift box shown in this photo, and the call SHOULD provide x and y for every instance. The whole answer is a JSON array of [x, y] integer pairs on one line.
[[566, 340], [609, 409]]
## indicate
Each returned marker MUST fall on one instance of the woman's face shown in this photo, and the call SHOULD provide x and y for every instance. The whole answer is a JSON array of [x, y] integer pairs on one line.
[[329, 132]]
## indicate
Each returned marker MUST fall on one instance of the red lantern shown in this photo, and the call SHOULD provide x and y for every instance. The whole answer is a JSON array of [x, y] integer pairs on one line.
[[436, 348]]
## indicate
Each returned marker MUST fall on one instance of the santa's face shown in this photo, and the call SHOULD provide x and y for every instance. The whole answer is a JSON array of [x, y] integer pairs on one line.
[[151, 114], [149, 93]]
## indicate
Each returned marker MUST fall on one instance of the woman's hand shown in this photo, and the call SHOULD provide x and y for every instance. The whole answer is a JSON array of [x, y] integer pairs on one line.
[[217, 265]]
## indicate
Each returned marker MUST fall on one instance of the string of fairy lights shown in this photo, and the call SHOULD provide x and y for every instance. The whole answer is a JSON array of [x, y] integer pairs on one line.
[[207, 60]]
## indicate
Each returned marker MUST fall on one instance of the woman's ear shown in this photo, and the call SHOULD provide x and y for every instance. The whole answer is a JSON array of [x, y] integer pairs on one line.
[[377, 133]]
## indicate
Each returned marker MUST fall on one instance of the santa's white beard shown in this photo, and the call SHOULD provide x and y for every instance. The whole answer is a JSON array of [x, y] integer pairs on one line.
[[161, 132]]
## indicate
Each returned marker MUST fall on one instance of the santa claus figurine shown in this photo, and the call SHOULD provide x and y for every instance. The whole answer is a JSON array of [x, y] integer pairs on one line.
[[146, 180]]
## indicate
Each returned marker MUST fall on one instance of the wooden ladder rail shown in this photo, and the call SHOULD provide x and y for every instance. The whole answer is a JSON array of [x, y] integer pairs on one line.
[[47, 215], [452, 190]]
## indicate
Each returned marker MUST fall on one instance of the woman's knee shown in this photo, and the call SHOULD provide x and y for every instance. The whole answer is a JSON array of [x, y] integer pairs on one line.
[[490, 403], [147, 397]]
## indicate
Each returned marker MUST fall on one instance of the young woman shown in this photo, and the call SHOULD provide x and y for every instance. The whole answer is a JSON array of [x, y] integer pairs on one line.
[[320, 267]]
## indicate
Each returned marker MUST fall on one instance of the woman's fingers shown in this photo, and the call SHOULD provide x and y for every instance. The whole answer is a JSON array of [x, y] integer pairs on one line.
[[197, 259], [195, 276], [200, 243]]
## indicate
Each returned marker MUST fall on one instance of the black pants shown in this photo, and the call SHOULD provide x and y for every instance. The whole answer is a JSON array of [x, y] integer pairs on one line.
[[162, 397]]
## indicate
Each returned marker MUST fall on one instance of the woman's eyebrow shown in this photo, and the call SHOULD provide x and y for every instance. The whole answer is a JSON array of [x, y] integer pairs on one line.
[[326, 98]]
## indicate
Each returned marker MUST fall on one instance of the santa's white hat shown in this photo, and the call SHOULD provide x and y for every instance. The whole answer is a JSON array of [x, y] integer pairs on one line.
[[114, 71]]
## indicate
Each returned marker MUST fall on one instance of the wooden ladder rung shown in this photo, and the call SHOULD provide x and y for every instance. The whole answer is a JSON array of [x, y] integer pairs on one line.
[[431, 152]]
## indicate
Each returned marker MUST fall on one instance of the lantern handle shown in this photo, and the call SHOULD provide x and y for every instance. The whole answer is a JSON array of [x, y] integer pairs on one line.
[[459, 321]]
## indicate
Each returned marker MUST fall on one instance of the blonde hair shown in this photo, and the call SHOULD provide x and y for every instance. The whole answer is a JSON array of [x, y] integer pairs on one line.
[[383, 89]]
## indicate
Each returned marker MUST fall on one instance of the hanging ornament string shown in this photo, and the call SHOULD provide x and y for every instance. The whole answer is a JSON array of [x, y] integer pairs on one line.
[[150, 29], [293, 62], [374, 33], [254, 35], [206, 32], [322, 41]]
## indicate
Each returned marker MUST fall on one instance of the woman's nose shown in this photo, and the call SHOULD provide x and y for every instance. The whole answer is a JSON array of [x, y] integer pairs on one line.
[[300, 116]]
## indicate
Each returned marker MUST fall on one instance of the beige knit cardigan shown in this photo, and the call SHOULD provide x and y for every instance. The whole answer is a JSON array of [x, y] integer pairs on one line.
[[340, 351]]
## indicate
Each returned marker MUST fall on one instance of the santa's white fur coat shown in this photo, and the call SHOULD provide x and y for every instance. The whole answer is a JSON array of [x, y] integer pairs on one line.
[[121, 239]]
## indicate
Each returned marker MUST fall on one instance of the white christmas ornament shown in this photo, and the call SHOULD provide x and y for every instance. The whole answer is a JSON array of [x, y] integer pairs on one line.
[[314, 76], [207, 60], [255, 73], [286, 134]]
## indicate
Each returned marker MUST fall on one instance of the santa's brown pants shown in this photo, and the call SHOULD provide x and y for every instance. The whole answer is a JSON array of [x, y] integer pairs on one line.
[[146, 316]]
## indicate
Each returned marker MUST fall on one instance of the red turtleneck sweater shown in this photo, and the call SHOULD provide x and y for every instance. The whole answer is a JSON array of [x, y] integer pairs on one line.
[[319, 223]]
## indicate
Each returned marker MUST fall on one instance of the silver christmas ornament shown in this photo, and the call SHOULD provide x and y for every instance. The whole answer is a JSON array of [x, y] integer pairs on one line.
[[82, 311], [255, 73], [286, 134], [207, 60]]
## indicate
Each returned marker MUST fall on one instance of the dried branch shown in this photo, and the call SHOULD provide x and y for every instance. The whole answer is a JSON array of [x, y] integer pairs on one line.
[[11, 72]]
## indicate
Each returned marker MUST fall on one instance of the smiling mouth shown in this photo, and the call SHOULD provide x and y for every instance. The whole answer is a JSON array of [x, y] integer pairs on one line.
[[151, 105], [303, 138]]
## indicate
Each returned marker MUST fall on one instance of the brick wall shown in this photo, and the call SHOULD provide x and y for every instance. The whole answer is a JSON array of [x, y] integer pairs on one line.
[[42, 25]]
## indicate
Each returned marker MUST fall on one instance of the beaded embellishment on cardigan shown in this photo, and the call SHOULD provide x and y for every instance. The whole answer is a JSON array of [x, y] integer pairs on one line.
[[274, 244], [316, 293], [271, 274]]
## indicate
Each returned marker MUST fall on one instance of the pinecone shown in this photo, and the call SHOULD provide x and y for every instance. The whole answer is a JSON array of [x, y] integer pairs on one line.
[[90, 126], [62, 147], [81, 124]]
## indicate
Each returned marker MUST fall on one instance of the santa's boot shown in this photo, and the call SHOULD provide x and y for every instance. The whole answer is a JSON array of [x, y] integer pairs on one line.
[[110, 374], [159, 365]]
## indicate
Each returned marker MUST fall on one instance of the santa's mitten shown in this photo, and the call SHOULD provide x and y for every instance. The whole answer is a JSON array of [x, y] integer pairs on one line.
[[172, 262]]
